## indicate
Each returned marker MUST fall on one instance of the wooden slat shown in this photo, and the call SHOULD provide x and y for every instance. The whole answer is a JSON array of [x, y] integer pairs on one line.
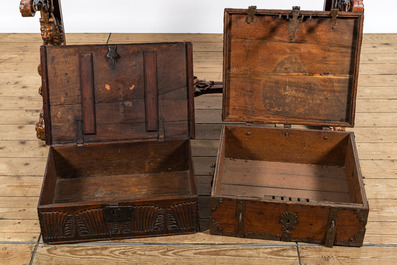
[[381, 233], [385, 189], [382, 210], [362, 120], [377, 151], [343, 255], [383, 169], [22, 133], [377, 92], [165, 255], [19, 117], [87, 93], [18, 208], [376, 59], [379, 38], [20, 186], [33, 148], [22, 166], [19, 231], [363, 105], [16, 254]]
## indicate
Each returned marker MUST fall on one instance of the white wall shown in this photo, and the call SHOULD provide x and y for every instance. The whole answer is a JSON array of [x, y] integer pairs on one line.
[[174, 16]]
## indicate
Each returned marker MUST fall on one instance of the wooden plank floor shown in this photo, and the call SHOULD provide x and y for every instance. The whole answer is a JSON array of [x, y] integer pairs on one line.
[[22, 161]]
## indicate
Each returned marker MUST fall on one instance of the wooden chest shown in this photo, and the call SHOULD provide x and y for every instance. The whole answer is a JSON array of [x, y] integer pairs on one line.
[[119, 119], [290, 184]]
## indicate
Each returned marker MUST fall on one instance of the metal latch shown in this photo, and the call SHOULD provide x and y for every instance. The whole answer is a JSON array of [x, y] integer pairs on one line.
[[294, 22], [334, 14], [113, 56], [251, 14], [118, 213]]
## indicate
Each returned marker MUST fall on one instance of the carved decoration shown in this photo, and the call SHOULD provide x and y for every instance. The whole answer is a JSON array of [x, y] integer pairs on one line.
[[289, 220], [182, 216], [90, 223], [345, 5], [159, 222], [171, 221], [202, 87], [358, 6], [56, 225], [52, 33], [40, 127], [147, 219], [26, 8]]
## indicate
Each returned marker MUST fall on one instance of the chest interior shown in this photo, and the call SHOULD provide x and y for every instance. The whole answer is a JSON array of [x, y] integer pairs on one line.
[[287, 165]]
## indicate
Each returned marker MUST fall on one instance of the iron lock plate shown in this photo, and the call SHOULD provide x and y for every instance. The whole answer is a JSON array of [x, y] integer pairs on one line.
[[118, 213]]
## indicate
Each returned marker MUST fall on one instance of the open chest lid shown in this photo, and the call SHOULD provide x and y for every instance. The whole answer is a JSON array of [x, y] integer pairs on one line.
[[101, 93], [291, 67]]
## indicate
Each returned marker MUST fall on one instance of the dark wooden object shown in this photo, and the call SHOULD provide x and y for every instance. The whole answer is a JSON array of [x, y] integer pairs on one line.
[[344, 5], [52, 33], [290, 67], [118, 119]]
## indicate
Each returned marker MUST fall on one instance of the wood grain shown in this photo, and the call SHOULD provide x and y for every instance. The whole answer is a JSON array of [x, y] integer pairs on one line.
[[16, 254], [339, 255], [171, 254]]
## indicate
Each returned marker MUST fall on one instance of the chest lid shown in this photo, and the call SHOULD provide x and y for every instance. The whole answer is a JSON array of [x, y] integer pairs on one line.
[[291, 67], [101, 93]]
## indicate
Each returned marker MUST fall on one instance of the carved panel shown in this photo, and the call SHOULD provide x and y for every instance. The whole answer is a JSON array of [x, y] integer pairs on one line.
[[56, 225], [90, 223], [182, 216], [145, 220]]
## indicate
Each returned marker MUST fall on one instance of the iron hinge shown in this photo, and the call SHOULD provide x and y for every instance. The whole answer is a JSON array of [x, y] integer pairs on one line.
[[293, 25], [251, 14], [334, 14], [240, 218], [331, 231]]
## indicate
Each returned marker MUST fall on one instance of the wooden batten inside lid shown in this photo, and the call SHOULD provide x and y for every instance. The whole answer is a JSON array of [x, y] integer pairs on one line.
[[101, 93], [274, 74]]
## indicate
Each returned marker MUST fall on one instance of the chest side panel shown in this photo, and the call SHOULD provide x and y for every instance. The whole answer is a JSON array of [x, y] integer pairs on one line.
[[310, 79], [118, 92]]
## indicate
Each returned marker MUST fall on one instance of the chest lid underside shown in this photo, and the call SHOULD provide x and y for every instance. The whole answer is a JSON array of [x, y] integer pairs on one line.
[[291, 67], [101, 93]]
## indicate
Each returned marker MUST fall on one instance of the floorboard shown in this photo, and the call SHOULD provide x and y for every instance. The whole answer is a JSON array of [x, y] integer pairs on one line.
[[23, 159]]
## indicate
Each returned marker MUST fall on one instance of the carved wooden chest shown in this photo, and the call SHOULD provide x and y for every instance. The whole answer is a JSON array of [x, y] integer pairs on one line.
[[290, 184], [118, 119]]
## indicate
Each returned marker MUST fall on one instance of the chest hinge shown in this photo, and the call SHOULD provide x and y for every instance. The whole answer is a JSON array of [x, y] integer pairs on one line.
[[331, 230], [251, 14], [240, 214]]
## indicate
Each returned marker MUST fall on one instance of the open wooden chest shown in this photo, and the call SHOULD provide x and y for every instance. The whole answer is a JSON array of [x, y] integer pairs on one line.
[[291, 184], [119, 119]]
